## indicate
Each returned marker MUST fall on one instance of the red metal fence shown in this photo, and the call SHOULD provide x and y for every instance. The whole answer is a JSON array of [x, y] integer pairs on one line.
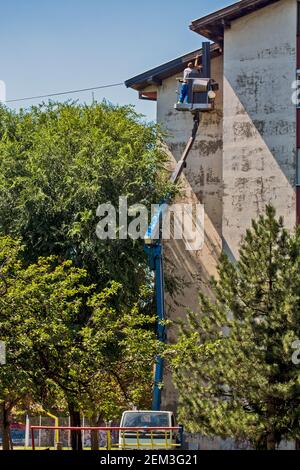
[[127, 437]]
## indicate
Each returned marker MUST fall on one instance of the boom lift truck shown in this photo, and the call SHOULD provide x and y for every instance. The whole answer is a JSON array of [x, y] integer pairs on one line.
[[201, 97]]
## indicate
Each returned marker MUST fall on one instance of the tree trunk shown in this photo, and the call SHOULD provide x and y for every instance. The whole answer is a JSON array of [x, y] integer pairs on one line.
[[10, 440], [75, 421], [94, 434], [297, 444], [5, 429], [271, 435], [271, 441]]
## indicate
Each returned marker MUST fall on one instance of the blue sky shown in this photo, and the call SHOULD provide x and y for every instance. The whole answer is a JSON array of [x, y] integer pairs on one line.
[[50, 46]]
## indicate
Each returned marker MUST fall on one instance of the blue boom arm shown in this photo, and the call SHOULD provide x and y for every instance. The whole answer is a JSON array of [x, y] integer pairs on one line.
[[154, 249]]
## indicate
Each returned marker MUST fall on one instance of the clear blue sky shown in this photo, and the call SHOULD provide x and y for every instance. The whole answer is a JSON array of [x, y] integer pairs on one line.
[[57, 45]]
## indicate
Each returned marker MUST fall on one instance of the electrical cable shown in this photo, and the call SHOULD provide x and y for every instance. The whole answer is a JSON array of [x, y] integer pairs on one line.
[[65, 92]]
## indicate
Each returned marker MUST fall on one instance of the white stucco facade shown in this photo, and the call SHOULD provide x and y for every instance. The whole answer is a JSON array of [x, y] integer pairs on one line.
[[259, 125]]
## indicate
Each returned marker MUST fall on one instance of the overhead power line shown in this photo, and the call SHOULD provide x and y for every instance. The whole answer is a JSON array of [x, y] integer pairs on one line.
[[65, 92]]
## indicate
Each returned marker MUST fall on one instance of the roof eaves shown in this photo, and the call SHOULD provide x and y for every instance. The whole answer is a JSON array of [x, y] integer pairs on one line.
[[156, 75], [212, 26]]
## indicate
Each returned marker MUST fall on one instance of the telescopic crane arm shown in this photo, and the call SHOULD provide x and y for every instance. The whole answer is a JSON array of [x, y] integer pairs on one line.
[[182, 162], [154, 249], [201, 99]]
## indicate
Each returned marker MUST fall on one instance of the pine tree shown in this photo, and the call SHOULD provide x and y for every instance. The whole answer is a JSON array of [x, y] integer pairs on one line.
[[233, 365]]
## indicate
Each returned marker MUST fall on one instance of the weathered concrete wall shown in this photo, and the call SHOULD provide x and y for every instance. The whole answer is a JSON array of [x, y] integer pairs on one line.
[[259, 146], [202, 182]]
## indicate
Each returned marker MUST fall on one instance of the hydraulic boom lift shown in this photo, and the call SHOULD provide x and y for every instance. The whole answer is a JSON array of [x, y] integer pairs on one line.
[[201, 96]]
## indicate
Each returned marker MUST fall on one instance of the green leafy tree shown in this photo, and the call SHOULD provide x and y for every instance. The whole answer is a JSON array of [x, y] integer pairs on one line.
[[233, 364], [15, 383], [58, 163], [38, 311], [69, 347]]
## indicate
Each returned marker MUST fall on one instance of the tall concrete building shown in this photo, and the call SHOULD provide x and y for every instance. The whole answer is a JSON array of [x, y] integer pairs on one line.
[[246, 152]]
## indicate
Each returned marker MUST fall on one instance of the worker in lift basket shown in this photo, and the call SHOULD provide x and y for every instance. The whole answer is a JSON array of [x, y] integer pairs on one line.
[[186, 74]]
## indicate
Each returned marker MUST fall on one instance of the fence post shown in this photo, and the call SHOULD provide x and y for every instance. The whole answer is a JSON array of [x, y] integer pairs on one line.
[[27, 432], [32, 439], [40, 433], [181, 436], [82, 435], [108, 440]]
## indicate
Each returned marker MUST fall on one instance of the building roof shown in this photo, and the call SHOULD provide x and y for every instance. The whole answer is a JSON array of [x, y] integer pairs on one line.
[[156, 75], [212, 26]]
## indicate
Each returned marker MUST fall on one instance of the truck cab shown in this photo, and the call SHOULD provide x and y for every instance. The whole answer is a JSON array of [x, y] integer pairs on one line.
[[148, 430]]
